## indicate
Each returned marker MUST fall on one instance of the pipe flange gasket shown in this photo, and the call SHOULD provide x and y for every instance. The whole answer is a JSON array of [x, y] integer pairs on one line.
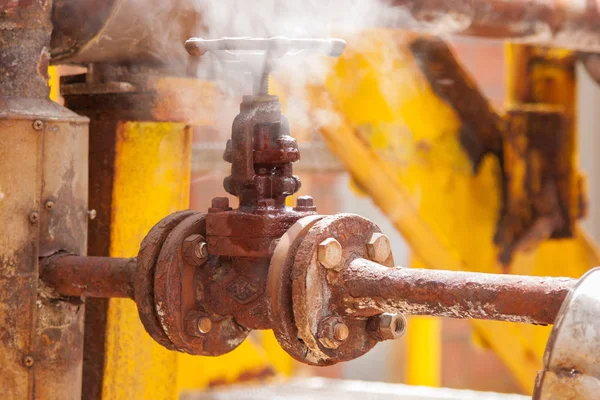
[[144, 278], [279, 287]]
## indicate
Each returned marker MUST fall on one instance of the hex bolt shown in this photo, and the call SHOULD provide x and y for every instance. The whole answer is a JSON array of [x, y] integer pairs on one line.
[[332, 332], [201, 250], [197, 323], [34, 217], [387, 326], [194, 250], [204, 325], [304, 201], [329, 253], [220, 202], [378, 247], [49, 205], [28, 361], [38, 125]]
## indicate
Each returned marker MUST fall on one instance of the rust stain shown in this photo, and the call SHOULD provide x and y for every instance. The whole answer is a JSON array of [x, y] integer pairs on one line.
[[370, 289], [481, 127]]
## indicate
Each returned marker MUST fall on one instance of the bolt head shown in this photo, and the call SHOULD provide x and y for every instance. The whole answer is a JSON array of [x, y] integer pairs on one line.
[[197, 323], [204, 325], [332, 332], [49, 205], [34, 217], [387, 326], [329, 253], [38, 125], [92, 214], [220, 203], [28, 361], [304, 201], [378, 247], [341, 331]]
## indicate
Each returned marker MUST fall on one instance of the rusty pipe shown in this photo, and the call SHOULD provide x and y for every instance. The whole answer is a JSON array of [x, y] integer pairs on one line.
[[370, 289], [89, 276], [559, 23]]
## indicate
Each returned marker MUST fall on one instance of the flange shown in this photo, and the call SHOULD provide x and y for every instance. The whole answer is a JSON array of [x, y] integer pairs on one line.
[[144, 277], [303, 301], [313, 296], [279, 288], [190, 329]]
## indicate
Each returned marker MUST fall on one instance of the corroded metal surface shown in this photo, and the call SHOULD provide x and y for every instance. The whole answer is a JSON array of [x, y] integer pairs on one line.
[[42, 338], [539, 180], [572, 353], [313, 293], [371, 289], [19, 196], [279, 289], [82, 276], [25, 29], [115, 31], [567, 24], [144, 278], [481, 127], [175, 302]]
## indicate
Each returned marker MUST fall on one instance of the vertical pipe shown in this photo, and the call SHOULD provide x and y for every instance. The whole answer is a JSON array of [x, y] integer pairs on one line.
[[43, 204]]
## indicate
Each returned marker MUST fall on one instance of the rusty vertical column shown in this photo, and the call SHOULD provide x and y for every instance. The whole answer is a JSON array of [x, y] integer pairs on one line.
[[43, 209]]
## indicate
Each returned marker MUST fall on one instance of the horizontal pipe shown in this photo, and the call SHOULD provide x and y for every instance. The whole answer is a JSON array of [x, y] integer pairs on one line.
[[571, 24], [370, 289], [89, 276]]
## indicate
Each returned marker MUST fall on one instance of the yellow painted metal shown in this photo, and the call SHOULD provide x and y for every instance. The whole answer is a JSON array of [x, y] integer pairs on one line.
[[54, 82], [152, 174], [423, 347], [151, 180], [400, 142]]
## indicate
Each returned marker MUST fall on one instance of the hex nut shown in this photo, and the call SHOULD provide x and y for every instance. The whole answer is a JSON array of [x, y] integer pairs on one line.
[[194, 250], [305, 204], [378, 247], [329, 253], [219, 204], [387, 326], [332, 332], [304, 201]]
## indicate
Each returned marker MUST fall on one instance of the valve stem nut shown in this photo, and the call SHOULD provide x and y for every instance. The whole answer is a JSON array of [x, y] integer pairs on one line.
[[387, 326], [329, 253], [378, 248], [332, 332], [194, 250]]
